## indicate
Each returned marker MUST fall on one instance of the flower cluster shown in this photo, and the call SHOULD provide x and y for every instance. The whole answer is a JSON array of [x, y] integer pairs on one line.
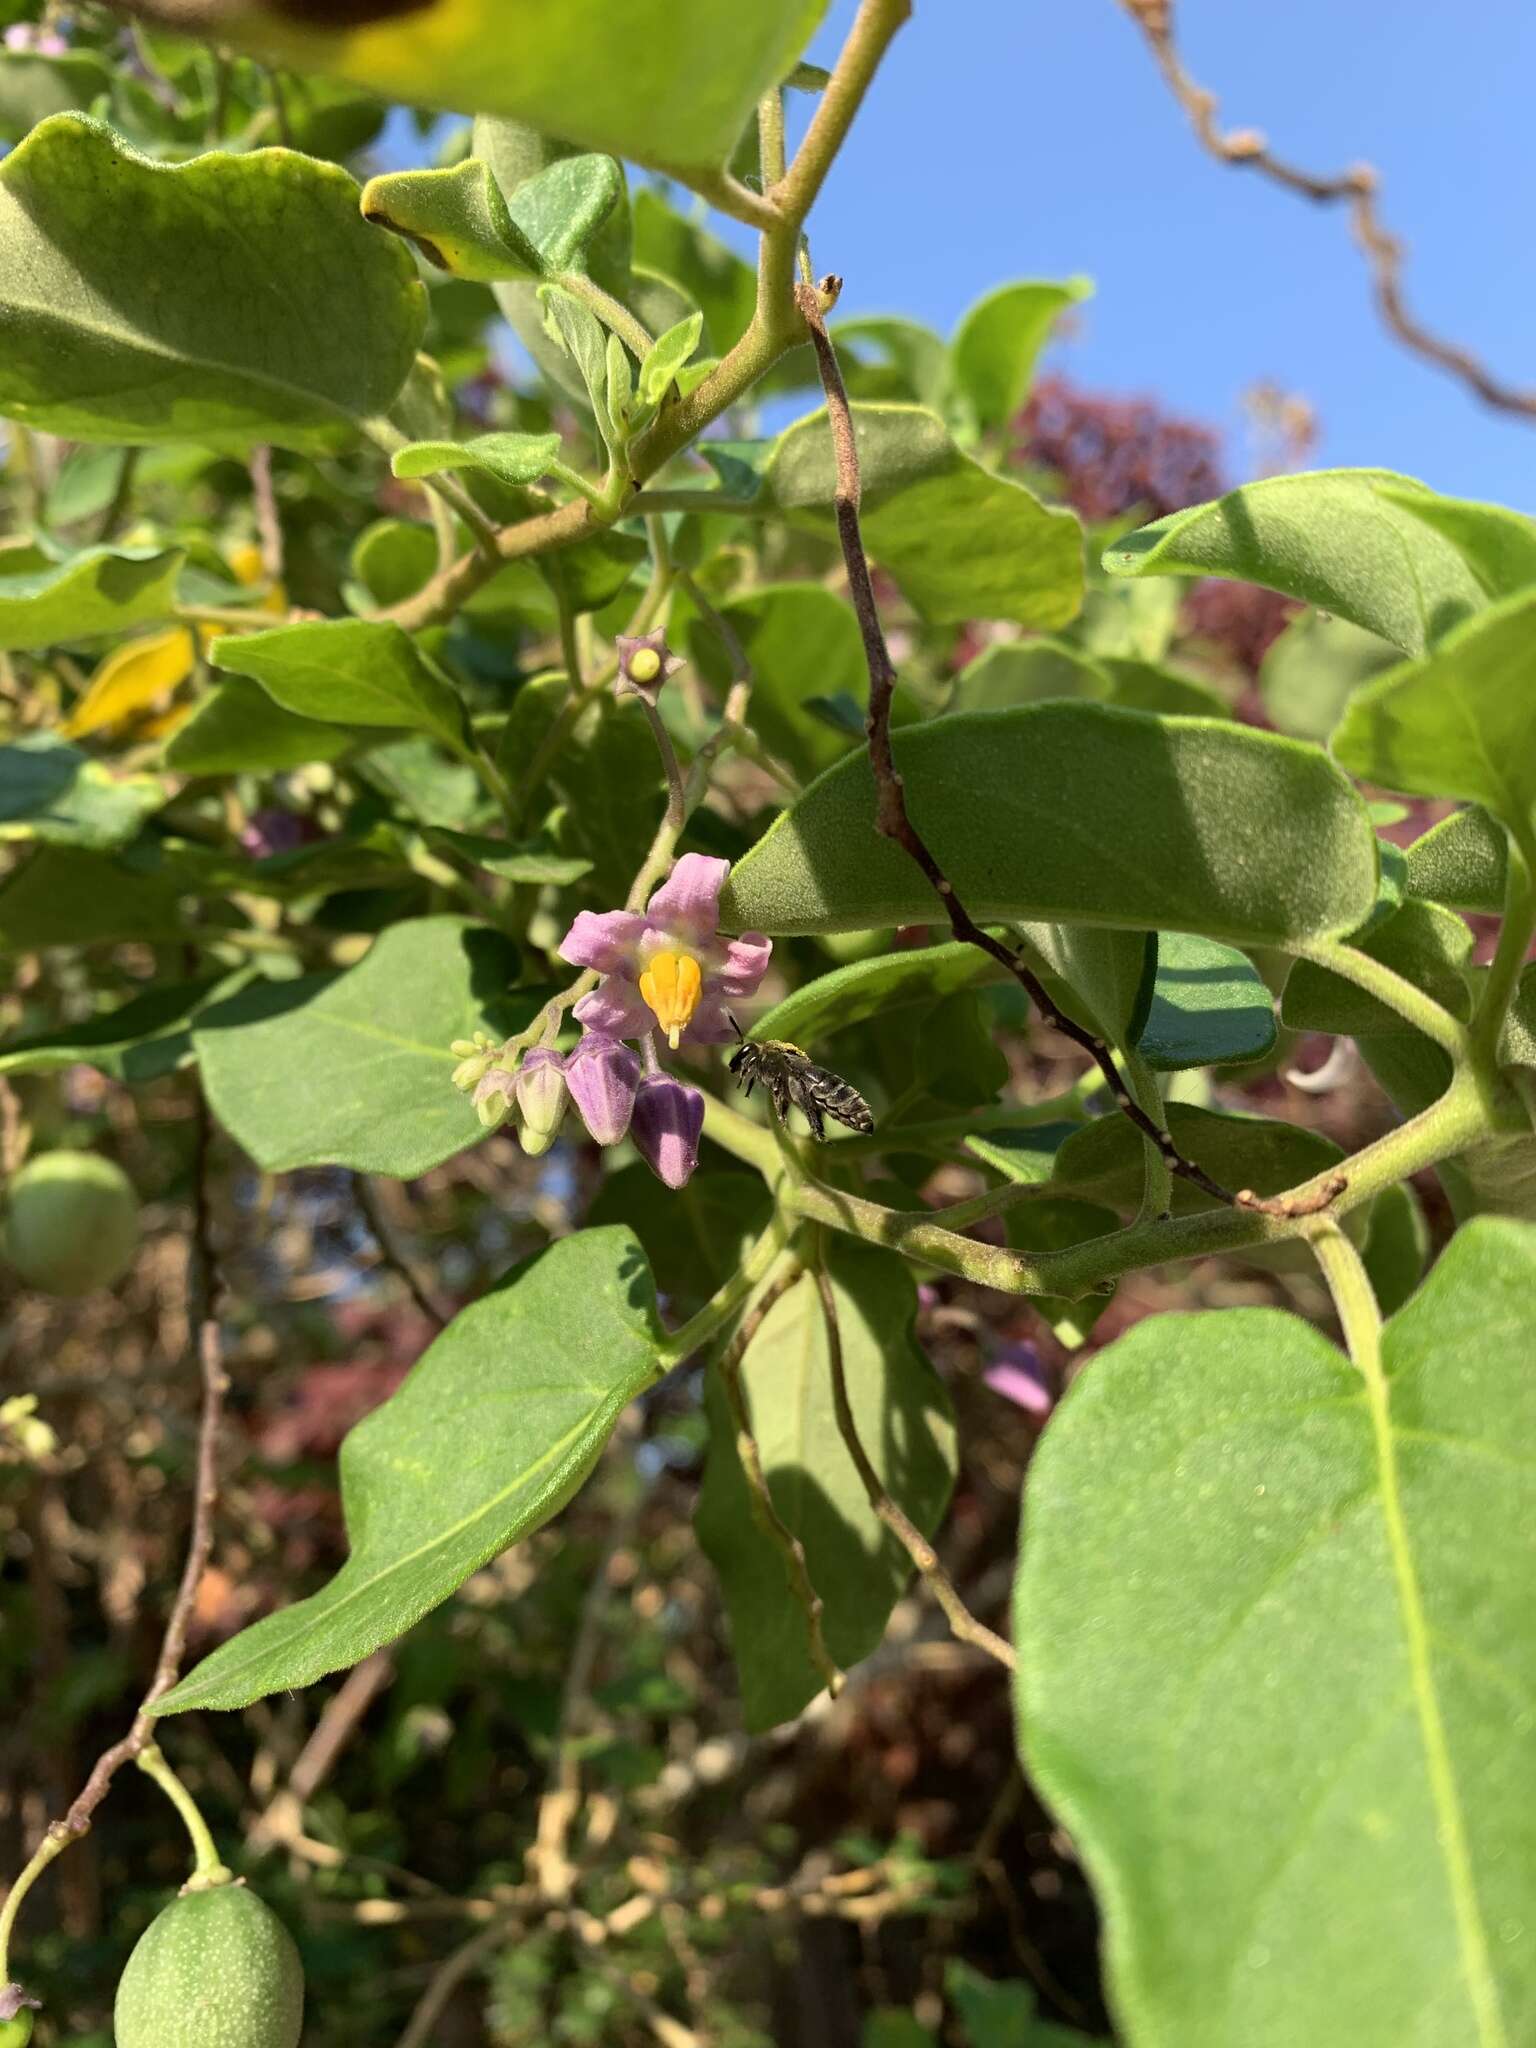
[[664, 969]]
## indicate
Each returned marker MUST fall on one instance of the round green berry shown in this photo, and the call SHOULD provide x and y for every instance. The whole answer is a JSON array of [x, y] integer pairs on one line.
[[70, 1222], [217, 1969]]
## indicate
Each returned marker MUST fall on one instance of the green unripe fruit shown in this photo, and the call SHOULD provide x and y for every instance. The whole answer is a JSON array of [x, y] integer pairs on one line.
[[70, 1222], [16, 2033], [217, 1969]]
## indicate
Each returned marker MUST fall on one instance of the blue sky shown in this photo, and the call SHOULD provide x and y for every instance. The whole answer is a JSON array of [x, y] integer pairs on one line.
[[1016, 138]]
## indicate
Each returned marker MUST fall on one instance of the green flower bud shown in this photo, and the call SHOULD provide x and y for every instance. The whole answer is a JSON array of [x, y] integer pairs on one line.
[[217, 1969]]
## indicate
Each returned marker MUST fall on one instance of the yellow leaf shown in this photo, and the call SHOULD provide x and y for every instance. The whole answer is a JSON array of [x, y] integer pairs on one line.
[[248, 568], [131, 681]]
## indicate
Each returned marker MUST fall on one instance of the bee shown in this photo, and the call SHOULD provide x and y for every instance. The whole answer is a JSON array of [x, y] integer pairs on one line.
[[792, 1077]]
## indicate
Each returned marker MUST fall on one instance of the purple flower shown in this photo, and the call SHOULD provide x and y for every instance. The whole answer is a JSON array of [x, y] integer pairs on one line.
[[1017, 1372], [602, 1076], [541, 1098], [667, 965], [668, 1119], [35, 40], [645, 662]]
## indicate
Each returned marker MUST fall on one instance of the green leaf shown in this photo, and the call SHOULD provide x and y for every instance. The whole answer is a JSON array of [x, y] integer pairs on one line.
[[237, 729], [1105, 976], [696, 1238], [912, 364], [712, 274], [34, 84], [1462, 861], [66, 896], [1396, 1250], [904, 1422], [457, 218], [1079, 813], [1210, 1007], [510, 458], [354, 1069], [1025, 671], [800, 639], [962, 543], [1002, 2014], [568, 323], [494, 1429], [998, 342], [1105, 1160], [51, 790], [138, 1041], [534, 860], [1142, 685], [1054, 1223], [1340, 538], [1310, 673], [1289, 1746], [593, 572], [1498, 546], [1428, 946], [1026, 1154], [128, 307], [103, 590], [348, 671], [666, 356], [1462, 722], [873, 988], [563, 208], [668, 83]]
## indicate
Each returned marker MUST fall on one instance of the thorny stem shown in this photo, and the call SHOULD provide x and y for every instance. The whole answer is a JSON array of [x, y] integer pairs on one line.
[[791, 1550], [891, 816], [906, 1532], [202, 1289]]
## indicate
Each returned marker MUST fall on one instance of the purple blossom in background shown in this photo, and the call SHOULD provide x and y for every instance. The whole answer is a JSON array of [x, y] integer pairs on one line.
[[1018, 1373], [667, 965]]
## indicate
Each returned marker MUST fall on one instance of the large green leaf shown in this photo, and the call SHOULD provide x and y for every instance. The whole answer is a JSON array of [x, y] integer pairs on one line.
[[129, 310], [696, 1238], [1025, 671], [1462, 722], [1340, 538], [509, 458], [494, 1429], [873, 988], [1080, 813], [1276, 1667], [857, 1567], [1428, 946], [51, 790], [348, 672], [961, 542], [68, 896], [461, 222], [1462, 861], [1313, 669], [238, 729], [996, 345], [102, 590], [1210, 1007], [669, 83], [354, 1069], [1499, 546]]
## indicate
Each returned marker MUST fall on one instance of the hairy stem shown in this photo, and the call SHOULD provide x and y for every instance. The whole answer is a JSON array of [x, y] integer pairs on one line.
[[209, 1868], [1393, 989], [1514, 944]]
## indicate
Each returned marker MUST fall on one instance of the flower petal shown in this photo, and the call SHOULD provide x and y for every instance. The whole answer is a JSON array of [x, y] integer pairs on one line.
[[602, 1076], [616, 1009], [668, 1120], [746, 962], [710, 1024], [688, 902], [604, 939]]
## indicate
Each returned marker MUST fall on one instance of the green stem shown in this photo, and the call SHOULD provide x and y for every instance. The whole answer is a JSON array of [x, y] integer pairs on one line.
[[208, 1868], [1398, 993], [1514, 943], [593, 493], [54, 1843], [630, 331], [1157, 1188], [1350, 1287], [677, 802], [870, 36], [723, 1304]]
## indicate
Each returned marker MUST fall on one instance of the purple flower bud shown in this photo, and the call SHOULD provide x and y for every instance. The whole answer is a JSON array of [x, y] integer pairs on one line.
[[541, 1097], [669, 1116], [493, 1097], [1017, 1372], [602, 1075]]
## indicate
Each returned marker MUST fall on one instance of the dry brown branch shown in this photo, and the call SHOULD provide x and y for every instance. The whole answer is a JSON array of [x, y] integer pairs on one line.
[[1358, 189], [338, 1723], [437, 1312]]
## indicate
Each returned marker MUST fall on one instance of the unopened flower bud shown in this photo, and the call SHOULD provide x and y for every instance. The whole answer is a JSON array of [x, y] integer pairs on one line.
[[602, 1075], [668, 1120], [494, 1097], [541, 1098]]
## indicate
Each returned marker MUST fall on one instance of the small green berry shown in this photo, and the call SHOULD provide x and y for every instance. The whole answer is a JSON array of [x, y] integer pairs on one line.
[[644, 665], [217, 1969], [71, 1222], [16, 2033]]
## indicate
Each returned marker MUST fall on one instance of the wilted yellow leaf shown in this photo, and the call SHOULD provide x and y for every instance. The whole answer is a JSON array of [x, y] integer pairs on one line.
[[132, 680]]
